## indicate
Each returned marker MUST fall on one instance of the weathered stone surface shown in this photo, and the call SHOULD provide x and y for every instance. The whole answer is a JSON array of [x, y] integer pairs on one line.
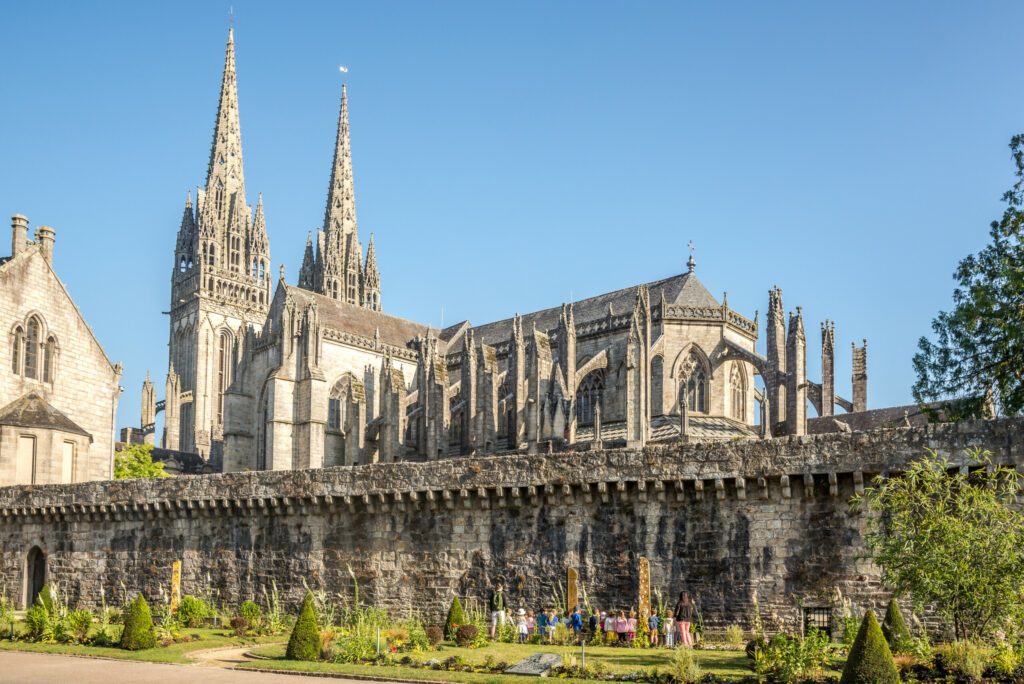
[[537, 665], [596, 511]]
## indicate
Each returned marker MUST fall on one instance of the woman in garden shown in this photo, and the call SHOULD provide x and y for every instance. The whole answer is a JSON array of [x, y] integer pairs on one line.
[[684, 618]]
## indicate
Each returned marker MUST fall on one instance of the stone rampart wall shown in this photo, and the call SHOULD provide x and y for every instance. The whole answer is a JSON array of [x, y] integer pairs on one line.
[[727, 522]]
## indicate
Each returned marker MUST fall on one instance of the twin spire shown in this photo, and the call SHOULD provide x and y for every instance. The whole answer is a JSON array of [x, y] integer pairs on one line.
[[336, 268], [221, 231]]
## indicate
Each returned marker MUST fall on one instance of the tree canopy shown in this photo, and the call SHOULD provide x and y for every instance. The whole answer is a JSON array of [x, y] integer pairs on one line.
[[951, 539], [136, 461], [977, 356]]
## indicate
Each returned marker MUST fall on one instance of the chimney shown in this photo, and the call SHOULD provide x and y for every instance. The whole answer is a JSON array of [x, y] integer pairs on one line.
[[19, 233], [44, 236]]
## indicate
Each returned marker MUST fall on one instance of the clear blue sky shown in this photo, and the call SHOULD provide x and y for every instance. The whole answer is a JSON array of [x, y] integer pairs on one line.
[[511, 155]]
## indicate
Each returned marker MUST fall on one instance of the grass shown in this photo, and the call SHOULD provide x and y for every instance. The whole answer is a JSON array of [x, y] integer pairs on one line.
[[175, 653], [619, 660]]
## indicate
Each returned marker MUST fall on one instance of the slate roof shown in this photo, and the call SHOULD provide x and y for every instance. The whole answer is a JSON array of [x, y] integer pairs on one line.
[[873, 419], [684, 289], [32, 411], [346, 317], [701, 428]]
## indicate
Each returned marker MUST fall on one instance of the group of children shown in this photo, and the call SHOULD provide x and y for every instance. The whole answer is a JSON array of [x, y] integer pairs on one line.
[[673, 631]]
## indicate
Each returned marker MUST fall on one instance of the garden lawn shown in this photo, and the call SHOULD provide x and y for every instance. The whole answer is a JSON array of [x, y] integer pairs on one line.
[[613, 659], [175, 653]]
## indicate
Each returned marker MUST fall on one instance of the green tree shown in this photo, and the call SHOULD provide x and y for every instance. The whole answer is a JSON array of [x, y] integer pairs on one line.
[[894, 627], [870, 660], [138, 631], [951, 539], [456, 618], [978, 352], [136, 461], [304, 643]]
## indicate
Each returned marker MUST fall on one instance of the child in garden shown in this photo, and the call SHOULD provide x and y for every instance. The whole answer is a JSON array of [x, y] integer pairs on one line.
[[552, 624], [531, 623], [652, 626], [670, 630], [542, 623], [609, 623], [631, 626], [621, 627], [521, 625]]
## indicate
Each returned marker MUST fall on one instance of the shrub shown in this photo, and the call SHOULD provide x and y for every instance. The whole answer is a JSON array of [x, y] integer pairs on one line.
[[45, 598], [734, 635], [304, 643], [465, 635], [684, 668], [240, 625], [1005, 660], [193, 611], [138, 631], [37, 620], [870, 660], [456, 618], [78, 624], [851, 625], [251, 612], [791, 658], [435, 635], [357, 648], [967, 659], [895, 629]]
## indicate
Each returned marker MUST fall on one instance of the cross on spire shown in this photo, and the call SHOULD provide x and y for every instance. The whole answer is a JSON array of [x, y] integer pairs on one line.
[[691, 265]]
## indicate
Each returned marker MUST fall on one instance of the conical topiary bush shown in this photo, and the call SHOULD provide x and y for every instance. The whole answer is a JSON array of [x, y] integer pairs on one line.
[[304, 643], [870, 660], [138, 633], [456, 618], [895, 629]]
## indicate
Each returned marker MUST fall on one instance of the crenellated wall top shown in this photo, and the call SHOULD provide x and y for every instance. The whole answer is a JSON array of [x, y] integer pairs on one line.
[[732, 467]]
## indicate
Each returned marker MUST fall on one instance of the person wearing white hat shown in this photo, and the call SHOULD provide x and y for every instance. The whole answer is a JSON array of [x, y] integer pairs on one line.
[[521, 627]]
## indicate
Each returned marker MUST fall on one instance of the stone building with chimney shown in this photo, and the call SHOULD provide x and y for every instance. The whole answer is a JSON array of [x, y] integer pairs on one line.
[[58, 389]]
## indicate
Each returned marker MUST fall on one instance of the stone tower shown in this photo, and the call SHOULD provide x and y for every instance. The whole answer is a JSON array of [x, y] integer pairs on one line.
[[336, 269], [220, 283]]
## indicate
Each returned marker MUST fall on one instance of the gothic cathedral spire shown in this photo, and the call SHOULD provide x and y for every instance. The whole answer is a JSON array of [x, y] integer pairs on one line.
[[338, 268], [220, 282], [226, 151]]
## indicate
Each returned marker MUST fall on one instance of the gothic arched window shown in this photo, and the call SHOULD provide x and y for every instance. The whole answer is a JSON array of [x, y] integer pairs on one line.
[[17, 350], [32, 344], [235, 254], [224, 368], [738, 393], [49, 359], [697, 391], [588, 396]]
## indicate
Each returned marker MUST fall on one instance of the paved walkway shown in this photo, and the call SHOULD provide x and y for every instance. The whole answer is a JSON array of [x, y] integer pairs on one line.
[[43, 668]]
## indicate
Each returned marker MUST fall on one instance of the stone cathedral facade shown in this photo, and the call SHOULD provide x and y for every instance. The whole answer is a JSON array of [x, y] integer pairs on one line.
[[316, 374]]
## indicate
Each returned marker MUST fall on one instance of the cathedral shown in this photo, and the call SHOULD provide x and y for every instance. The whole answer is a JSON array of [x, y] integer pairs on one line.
[[264, 374]]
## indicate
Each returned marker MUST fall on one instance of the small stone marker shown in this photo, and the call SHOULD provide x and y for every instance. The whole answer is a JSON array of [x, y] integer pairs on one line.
[[175, 585], [572, 592], [645, 588], [537, 665]]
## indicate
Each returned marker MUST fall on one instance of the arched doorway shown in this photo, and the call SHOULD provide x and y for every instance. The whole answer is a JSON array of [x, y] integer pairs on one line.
[[35, 572]]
